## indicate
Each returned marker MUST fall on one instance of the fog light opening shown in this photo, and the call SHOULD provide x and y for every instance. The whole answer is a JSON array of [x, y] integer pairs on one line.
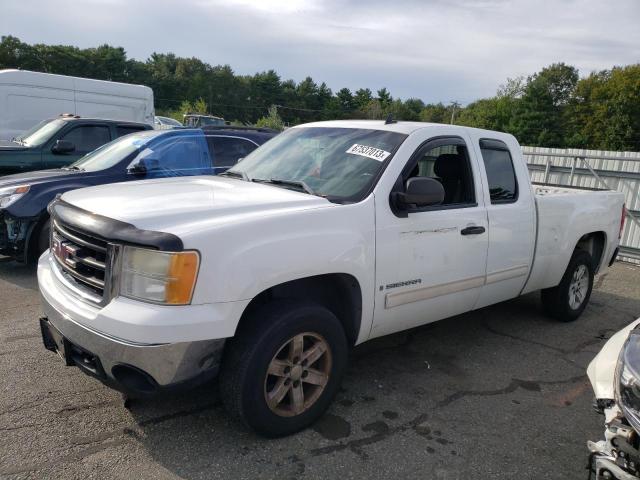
[[134, 379]]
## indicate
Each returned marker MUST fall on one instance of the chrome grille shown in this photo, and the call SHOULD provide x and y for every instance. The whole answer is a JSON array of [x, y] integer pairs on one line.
[[82, 258]]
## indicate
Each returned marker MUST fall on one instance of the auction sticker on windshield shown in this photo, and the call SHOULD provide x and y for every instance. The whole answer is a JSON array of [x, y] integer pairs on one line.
[[369, 152]]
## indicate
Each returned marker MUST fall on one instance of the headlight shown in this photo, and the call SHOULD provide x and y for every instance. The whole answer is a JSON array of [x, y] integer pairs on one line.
[[10, 194], [159, 277], [627, 381]]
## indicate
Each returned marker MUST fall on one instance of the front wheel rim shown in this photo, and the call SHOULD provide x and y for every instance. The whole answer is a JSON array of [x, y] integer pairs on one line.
[[297, 374], [578, 287]]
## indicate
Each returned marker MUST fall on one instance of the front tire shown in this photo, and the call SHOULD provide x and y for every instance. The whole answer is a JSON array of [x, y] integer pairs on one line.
[[567, 301], [284, 367]]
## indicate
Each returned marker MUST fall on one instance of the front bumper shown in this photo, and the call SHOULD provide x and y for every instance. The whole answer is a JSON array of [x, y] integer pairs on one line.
[[163, 347], [130, 367]]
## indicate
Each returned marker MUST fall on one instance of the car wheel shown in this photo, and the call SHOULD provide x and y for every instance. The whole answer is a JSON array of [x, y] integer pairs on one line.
[[567, 301], [284, 366]]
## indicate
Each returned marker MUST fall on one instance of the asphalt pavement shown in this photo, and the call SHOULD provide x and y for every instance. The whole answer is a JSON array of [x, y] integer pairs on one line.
[[496, 393]]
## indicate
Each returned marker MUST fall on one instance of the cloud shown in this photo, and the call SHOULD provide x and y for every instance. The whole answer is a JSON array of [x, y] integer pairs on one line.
[[437, 50]]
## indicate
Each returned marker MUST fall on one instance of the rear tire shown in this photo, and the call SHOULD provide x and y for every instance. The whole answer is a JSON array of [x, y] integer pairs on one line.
[[284, 367], [567, 301]]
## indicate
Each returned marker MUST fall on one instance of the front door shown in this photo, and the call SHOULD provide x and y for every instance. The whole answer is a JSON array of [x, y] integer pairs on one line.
[[430, 263], [85, 138]]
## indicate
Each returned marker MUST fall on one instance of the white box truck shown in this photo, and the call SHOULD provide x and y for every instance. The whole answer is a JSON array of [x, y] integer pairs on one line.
[[27, 98]]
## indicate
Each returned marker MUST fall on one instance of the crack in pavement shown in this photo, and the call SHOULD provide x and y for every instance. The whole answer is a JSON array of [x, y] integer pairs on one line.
[[109, 437], [529, 385], [72, 457]]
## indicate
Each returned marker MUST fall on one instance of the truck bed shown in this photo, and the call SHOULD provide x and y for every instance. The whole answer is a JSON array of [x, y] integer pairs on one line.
[[564, 214]]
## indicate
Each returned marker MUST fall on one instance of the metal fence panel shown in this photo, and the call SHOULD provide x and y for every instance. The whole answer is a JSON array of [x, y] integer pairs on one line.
[[594, 169]]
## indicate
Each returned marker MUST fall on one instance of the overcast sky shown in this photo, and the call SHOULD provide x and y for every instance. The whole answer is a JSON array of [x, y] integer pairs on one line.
[[437, 50]]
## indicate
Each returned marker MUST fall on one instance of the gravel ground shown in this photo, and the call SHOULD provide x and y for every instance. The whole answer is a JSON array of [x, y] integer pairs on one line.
[[496, 393]]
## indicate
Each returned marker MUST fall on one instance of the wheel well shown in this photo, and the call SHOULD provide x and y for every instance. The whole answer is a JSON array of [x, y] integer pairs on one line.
[[339, 292], [31, 243], [593, 243]]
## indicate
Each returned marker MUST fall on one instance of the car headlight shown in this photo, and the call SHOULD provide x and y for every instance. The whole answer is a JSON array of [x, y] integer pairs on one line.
[[159, 277], [627, 382], [10, 195]]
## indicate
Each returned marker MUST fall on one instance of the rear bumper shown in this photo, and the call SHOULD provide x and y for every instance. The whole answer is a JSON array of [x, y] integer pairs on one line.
[[614, 256]]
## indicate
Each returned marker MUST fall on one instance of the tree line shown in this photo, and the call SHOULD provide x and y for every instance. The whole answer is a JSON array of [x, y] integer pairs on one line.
[[553, 107]]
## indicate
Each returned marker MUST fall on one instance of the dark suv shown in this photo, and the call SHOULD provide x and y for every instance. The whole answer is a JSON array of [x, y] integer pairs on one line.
[[24, 220], [60, 141]]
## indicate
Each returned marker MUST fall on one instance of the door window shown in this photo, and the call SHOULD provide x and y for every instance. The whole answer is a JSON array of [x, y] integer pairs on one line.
[[228, 150], [503, 186], [176, 156], [122, 130], [449, 165], [87, 138]]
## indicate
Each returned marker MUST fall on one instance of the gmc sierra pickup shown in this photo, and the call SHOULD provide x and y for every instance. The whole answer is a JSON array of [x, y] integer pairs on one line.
[[329, 235]]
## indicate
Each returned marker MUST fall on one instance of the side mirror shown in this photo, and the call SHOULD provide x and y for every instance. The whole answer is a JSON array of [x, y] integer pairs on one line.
[[421, 192], [138, 169], [62, 147]]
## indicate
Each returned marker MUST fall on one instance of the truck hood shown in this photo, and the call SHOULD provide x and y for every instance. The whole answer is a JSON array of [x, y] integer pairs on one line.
[[177, 205], [9, 145]]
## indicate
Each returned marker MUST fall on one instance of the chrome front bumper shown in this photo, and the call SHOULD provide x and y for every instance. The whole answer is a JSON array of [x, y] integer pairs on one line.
[[116, 362]]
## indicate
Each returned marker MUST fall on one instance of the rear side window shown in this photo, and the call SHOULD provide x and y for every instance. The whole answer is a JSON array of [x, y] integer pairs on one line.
[[87, 138], [228, 150], [503, 185], [122, 130]]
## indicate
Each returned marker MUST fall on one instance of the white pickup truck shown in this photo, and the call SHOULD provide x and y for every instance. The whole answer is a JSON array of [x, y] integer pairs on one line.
[[329, 235]]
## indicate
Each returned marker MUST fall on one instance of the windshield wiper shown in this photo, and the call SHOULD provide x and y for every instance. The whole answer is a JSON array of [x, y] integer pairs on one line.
[[289, 183], [73, 167], [235, 174]]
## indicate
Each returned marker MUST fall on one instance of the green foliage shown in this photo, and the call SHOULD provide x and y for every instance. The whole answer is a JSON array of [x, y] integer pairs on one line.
[[272, 120], [553, 107]]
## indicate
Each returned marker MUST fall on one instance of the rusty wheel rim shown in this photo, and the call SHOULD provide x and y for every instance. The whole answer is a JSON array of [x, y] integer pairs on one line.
[[297, 374]]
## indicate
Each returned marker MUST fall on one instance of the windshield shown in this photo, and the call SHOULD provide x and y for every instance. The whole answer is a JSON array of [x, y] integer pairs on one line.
[[113, 152], [40, 133], [339, 163]]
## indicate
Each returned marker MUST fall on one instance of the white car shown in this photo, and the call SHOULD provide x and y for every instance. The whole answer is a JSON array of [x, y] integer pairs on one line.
[[327, 236], [615, 376]]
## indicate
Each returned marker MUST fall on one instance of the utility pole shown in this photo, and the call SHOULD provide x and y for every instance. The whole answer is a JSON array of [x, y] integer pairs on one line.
[[455, 104]]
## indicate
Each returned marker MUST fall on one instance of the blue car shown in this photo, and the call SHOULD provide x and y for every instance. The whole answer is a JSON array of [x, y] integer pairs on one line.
[[24, 220]]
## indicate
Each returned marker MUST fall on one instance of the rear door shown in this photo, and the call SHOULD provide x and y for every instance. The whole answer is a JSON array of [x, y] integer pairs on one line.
[[122, 130], [226, 150], [511, 217], [430, 262]]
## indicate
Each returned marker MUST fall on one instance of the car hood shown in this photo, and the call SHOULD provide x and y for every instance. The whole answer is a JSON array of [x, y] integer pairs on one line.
[[9, 145], [178, 205], [40, 176]]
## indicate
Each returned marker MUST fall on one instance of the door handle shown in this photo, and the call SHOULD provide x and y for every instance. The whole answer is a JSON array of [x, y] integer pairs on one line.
[[474, 230]]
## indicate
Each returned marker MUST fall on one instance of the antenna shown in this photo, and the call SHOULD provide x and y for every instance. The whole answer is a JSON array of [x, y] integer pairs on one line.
[[390, 119]]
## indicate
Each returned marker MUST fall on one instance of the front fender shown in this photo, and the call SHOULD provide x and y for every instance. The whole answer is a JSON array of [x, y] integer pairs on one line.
[[240, 260], [601, 370]]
